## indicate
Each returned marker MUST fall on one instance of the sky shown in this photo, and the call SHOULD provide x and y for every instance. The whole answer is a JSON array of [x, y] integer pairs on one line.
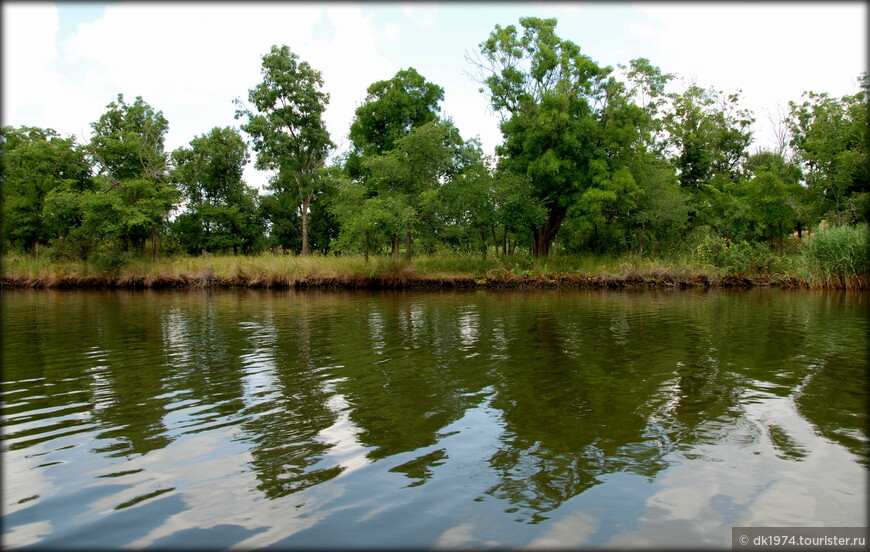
[[63, 62]]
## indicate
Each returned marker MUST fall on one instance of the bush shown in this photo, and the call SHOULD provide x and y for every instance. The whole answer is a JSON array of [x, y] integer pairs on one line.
[[75, 246], [841, 253], [736, 258], [109, 258]]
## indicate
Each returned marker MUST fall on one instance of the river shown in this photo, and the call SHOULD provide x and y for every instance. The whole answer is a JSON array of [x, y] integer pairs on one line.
[[337, 419]]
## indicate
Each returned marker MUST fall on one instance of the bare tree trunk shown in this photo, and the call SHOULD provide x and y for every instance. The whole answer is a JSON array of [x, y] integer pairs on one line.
[[408, 245], [495, 241], [396, 248]]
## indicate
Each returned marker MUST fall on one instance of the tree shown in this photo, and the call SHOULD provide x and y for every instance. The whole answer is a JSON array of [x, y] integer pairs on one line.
[[287, 129], [662, 212], [709, 140], [560, 112], [487, 201], [414, 169], [38, 164], [773, 195], [221, 209], [830, 138], [135, 195], [391, 109], [365, 221]]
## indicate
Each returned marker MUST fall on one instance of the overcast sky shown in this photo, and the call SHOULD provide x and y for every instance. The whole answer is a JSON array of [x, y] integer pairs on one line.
[[63, 62]]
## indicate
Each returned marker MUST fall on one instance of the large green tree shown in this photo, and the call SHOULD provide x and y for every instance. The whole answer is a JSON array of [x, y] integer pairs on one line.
[[221, 211], [135, 195], [562, 114], [771, 196], [709, 137], [39, 166], [413, 171], [391, 109], [830, 136], [287, 128]]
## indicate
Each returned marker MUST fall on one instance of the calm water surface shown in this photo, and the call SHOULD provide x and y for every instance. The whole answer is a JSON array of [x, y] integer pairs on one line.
[[258, 419]]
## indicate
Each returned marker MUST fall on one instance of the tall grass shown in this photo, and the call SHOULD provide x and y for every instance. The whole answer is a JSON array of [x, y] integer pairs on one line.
[[842, 255], [834, 257]]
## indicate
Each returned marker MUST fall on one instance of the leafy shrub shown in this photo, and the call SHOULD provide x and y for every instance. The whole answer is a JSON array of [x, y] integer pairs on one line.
[[75, 246], [736, 258], [109, 258]]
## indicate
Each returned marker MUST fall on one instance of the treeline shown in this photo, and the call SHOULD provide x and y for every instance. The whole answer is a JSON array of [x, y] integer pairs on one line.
[[593, 159]]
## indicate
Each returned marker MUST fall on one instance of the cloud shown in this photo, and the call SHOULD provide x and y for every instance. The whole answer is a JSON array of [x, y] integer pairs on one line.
[[392, 32], [188, 60], [29, 59], [423, 14], [773, 52]]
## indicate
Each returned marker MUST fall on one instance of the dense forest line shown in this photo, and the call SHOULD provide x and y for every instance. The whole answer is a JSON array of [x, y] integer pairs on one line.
[[594, 160]]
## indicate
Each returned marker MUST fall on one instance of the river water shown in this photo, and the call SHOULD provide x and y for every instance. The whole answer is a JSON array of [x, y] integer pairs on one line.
[[568, 418]]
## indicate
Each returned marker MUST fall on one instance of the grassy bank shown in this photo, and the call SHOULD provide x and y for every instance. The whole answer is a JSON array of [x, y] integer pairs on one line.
[[435, 271], [832, 258]]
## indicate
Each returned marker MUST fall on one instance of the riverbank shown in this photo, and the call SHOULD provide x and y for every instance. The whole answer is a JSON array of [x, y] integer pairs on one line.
[[436, 271]]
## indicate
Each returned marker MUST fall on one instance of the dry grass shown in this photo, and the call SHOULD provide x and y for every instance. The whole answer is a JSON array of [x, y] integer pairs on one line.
[[282, 271]]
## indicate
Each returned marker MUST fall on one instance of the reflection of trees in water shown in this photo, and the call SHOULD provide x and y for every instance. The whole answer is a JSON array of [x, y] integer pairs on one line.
[[586, 404], [284, 430], [133, 375], [573, 407], [832, 395], [585, 384], [402, 376]]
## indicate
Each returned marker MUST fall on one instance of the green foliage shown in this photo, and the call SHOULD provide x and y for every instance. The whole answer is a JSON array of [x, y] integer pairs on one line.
[[709, 135], [287, 129], [222, 211], [108, 258], [735, 258], [73, 246], [134, 195], [562, 115], [391, 109], [830, 139], [40, 166], [842, 253], [406, 178]]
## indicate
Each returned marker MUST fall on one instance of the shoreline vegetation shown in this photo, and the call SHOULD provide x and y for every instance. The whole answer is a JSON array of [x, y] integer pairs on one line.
[[701, 268]]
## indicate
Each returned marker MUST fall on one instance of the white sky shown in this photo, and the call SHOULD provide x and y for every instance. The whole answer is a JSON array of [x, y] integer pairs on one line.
[[63, 62]]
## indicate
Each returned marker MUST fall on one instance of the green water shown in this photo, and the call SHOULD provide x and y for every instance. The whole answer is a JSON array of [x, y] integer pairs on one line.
[[284, 419]]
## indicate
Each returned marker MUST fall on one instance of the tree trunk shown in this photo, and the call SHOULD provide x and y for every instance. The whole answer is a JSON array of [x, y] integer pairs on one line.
[[483, 243], [543, 237], [504, 243], [495, 241], [366, 247], [305, 203], [408, 245], [396, 248], [154, 241]]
